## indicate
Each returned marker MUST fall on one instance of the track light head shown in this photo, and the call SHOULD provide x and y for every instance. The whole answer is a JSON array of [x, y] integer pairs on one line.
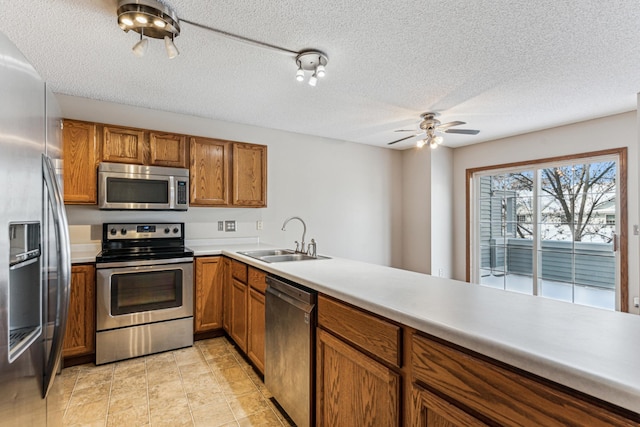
[[140, 47], [313, 80], [172, 50]]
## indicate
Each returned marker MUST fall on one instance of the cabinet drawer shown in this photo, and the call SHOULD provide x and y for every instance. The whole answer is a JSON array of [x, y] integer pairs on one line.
[[257, 279], [239, 271], [503, 394], [378, 337]]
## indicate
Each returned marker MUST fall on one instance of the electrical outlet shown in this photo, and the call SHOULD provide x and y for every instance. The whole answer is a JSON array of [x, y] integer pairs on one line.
[[259, 225], [229, 226], [220, 225]]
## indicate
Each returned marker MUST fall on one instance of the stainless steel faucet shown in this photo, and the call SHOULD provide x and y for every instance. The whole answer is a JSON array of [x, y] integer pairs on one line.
[[304, 232]]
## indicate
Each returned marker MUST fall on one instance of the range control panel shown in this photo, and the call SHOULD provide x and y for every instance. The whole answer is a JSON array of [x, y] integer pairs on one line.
[[131, 231]]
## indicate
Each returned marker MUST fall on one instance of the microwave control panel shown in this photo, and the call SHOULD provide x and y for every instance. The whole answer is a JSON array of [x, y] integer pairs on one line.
[[182, 193]]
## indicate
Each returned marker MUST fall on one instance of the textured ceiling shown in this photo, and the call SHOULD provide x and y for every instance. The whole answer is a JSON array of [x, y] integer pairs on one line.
[[504, 67]]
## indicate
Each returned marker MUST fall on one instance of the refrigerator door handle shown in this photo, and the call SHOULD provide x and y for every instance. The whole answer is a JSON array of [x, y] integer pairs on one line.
[[64, 270]]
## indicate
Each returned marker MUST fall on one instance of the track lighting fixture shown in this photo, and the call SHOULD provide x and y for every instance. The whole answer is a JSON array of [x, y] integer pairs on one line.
[[150, 18], [313, 61]]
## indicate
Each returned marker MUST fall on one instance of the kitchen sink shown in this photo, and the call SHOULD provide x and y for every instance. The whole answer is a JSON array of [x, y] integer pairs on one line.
[[280, 255], [267, 252]]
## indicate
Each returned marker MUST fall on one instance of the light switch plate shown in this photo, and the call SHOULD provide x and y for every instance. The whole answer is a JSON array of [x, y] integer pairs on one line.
[[220, 225]]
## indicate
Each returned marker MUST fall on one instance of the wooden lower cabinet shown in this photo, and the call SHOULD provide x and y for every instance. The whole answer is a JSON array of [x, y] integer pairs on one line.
[[226, 295], [351, 388], [79, 337], [238, 324], [477, 387], [255, 339], [429, 410], [209, 282]]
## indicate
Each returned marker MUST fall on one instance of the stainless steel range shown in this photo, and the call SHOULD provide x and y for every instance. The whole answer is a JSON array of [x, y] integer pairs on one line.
[[144, 290]]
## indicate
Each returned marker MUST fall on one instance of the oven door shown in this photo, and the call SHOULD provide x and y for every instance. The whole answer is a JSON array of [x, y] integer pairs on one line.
[[136, 295]]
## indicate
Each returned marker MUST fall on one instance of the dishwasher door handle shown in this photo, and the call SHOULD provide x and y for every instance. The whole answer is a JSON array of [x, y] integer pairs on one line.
[[302, 305]]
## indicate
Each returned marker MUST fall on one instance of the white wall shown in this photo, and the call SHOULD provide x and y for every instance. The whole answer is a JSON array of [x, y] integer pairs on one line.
[[609, 132], [416, 210], [427, 203], [442, 212], [348, 194]]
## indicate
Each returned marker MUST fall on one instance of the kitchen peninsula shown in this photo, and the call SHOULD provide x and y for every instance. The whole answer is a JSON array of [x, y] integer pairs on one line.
[[580, 355]]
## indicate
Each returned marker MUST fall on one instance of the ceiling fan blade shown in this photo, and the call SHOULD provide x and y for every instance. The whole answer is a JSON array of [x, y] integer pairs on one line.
[[402, 139], [404, 130], [448, 125], [463, 131]]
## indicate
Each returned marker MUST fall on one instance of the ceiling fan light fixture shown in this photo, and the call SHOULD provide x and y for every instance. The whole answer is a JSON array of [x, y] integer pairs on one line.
[[437, 139], [433, 144], [421, 143]]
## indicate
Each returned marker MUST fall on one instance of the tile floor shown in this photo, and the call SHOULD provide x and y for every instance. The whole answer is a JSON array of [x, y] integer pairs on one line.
[[209, 384]]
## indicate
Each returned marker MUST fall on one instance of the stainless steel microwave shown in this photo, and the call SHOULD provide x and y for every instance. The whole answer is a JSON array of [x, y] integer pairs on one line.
[[123, 186]]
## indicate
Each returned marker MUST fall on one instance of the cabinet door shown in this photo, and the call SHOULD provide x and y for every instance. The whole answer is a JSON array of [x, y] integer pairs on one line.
[[249, 175], [209, 172], [226, 295], [431, 411], [353, 389], [255, 340], [79, 335], [122, 145], [208, 295], [239, 314], [80, 162], [168, 150]]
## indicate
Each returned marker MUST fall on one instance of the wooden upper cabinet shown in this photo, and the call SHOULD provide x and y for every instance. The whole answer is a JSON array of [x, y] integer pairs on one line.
[[121, 145], [209, 172], [168, 150], [80, 162], [249, 175]]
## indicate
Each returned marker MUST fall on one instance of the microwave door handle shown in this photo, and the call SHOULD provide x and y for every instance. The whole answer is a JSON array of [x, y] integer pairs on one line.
[[172, 192], [64, 271]]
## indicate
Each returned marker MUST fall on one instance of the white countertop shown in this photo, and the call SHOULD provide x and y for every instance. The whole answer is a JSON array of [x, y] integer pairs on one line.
[[594, 351]]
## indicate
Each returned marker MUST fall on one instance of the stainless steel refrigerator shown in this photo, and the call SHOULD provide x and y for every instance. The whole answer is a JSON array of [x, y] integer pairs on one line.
[[34, 246]]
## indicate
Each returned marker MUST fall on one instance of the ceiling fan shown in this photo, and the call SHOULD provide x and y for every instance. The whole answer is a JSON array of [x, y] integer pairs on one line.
[[429, 126]]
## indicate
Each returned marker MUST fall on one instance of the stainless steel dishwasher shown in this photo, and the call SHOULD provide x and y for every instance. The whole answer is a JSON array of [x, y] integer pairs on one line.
[[289, 371]]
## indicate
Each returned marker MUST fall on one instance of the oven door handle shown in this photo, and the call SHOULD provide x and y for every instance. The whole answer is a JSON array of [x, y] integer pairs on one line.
[[63, 247]]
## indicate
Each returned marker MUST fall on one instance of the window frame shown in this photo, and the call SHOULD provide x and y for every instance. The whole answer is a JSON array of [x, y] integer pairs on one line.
[[622, 304]]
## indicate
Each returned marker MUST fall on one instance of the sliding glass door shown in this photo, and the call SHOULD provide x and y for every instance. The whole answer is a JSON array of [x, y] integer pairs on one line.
[[549, 229]]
